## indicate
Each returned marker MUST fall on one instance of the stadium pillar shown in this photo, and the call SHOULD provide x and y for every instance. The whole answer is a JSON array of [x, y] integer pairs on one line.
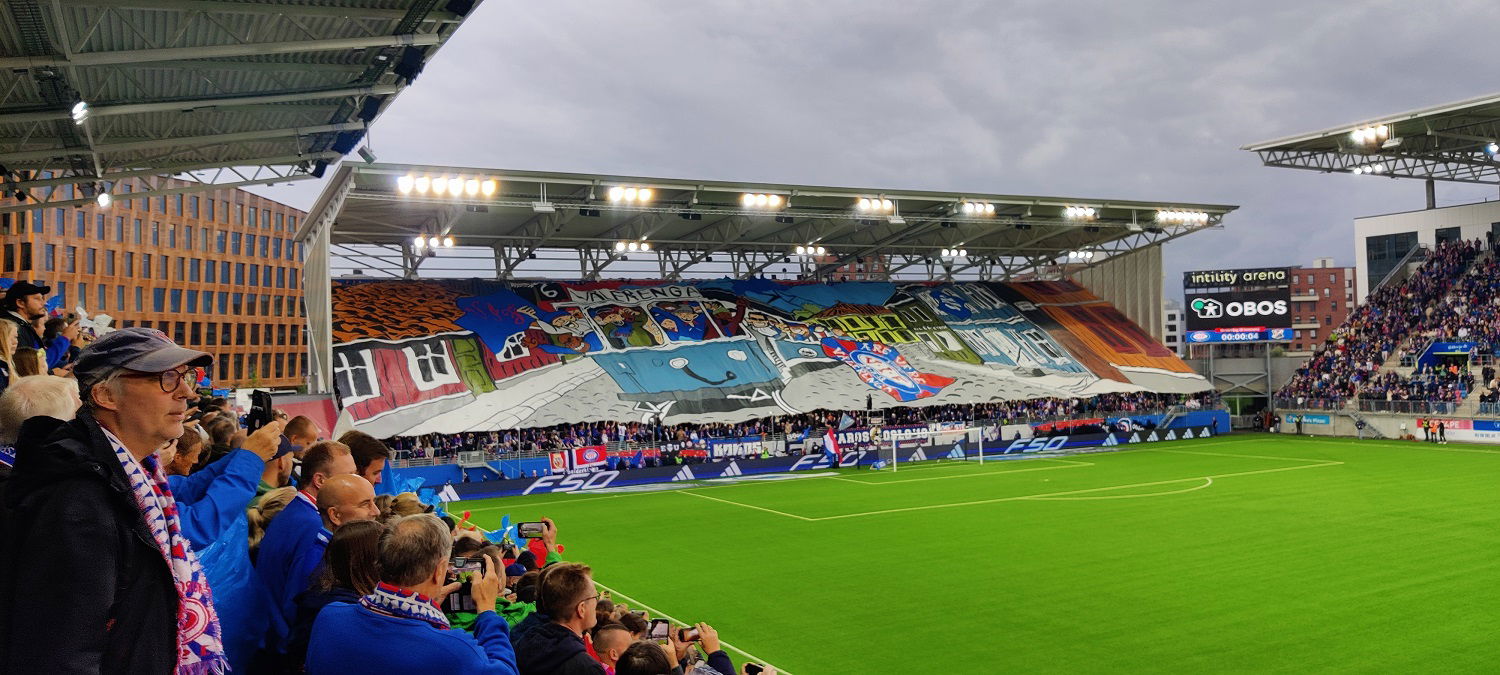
[[1431, 193]]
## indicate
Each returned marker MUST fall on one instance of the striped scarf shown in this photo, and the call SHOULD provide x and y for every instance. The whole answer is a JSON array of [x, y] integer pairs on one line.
[[200, 648], [398, 602]]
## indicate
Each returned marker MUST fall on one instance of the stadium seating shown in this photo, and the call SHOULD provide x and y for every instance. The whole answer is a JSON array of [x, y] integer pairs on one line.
[[1392, 320]]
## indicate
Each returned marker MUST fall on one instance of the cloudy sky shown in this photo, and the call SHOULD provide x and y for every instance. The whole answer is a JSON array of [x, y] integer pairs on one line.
[[1142, 100]]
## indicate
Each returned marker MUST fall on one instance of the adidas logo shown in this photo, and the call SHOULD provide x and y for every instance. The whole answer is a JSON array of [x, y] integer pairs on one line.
[[733, 470], [1152, 438], [1171, 436], [1207, 431], [918, 456], [1187, 434], [684, 474], [957, 452], [1135, 438], [1111, 440]]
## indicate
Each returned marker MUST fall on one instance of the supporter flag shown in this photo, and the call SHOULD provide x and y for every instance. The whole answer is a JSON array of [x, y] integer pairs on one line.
[[559, 462], [639, 460], [845, 422], [831, 447], [588, 457]]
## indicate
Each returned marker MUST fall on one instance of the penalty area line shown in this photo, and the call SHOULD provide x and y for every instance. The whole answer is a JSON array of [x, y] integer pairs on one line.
[[1040, 497], [748, 506]]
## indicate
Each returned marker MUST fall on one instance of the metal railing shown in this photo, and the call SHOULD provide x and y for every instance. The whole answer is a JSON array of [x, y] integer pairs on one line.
[[1400, 266], [1310, 402], [1408, 407], [475, 457]]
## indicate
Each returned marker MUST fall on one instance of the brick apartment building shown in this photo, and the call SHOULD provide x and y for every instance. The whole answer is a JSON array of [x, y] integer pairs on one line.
[[216, 270], [1322, 297]]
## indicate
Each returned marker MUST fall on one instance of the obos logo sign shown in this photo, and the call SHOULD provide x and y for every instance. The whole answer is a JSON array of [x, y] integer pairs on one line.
[[1209, 308], [1239, 309]]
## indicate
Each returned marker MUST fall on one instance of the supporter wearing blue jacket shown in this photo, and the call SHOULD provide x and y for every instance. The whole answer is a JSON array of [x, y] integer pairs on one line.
[[399, 627], [208, 500], [292, 548]]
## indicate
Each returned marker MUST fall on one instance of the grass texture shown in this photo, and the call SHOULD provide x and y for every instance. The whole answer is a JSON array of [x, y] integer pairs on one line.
[[1234, 554]]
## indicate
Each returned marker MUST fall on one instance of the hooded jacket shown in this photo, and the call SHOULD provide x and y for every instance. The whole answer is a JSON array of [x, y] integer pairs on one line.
[[554, 649], [83, 586]]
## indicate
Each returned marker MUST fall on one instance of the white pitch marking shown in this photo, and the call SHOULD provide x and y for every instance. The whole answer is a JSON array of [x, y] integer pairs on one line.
[[1207, 482], [1072, 492], [1069, 464], [748, 506]]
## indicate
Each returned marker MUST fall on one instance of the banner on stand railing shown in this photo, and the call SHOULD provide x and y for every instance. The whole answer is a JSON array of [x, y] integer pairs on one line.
[[789, 467]]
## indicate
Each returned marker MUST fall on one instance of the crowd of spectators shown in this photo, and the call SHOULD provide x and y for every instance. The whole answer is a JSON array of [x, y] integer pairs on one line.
[[1342, 366], [129, 493], [498, 444]]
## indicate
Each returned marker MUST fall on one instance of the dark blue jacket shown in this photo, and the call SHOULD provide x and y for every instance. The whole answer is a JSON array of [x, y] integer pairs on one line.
[[554, 649], [289, 554], [310, 604], [347, 638], [210, 499]]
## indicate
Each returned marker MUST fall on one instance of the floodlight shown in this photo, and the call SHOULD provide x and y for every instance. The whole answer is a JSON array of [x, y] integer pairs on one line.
[[421, 184], [80, 112], [1493, 148], [822, 250], [104, 200], [945, 253], [864, 204], [645, 246], [488, 187], [775, 200], [801, 250], [471, 187], [630, 194], [886, 204], [404, 184], [963, 253], [632, 246], [456, 185], [616, 193], [434, 242], [447, 242], [747, 199], [419, 242], [762, 200], [644, 194], [619, 246]]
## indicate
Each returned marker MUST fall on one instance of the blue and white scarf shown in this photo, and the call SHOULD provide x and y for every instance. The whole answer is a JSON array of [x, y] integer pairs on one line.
[[398, 602], [200, 648]]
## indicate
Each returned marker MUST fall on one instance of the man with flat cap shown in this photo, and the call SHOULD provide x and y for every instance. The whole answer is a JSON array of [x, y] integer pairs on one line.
[[95, 573], [26, 302]]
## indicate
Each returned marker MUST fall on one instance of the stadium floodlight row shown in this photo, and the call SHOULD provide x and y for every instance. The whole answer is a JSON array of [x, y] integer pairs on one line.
[[739, 229], [98, 91], [1458, 141]]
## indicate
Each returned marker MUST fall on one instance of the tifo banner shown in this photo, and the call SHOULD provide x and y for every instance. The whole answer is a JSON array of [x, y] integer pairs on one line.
[[448, 356], [787, 467]]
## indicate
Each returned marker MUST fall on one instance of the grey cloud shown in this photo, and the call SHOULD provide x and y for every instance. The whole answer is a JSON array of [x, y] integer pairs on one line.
[[1134, 100]]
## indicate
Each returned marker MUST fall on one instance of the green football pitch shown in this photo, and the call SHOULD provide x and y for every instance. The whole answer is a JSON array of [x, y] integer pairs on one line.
[[1246, 553]]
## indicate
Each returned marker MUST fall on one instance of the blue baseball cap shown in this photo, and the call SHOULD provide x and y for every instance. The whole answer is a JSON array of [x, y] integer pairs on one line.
[[140, 349]]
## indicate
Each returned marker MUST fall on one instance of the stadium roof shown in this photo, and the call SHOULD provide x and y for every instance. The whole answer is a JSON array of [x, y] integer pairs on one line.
[[700, 227], [227, 92], [1451, 142]]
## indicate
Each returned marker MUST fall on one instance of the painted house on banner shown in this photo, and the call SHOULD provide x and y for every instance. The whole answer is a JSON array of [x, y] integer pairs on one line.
[[399, 356]]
